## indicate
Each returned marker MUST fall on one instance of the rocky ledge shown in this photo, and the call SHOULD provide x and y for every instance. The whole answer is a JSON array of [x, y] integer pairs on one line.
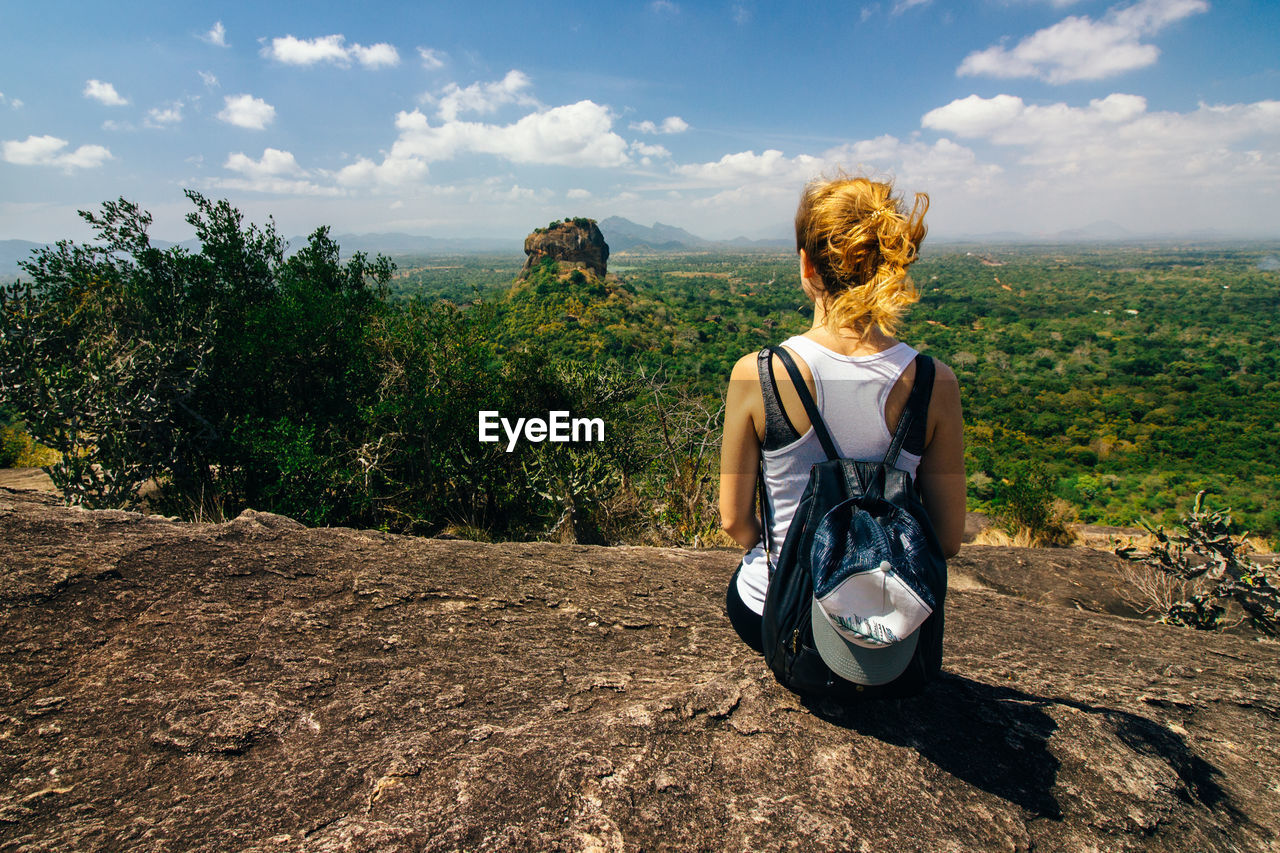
[[259, 686]]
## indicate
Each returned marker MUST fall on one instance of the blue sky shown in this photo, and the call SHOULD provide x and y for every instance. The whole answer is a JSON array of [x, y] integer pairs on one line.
[[490, 118]]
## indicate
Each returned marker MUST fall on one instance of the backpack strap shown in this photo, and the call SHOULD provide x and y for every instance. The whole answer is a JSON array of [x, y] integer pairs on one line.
[[765, 517], [778, 429], [915, 415], [810, 407]]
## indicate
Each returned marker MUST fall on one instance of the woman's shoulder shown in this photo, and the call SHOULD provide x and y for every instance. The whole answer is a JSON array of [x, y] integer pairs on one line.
[[944, 401], [746, 368], [942, 372]]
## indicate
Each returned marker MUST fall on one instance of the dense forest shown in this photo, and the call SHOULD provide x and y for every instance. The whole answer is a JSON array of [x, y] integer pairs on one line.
[[1134, 376], [1124, 379]]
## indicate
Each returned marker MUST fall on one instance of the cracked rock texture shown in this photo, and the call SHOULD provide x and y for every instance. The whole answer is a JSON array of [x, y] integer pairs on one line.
[[259, 686]]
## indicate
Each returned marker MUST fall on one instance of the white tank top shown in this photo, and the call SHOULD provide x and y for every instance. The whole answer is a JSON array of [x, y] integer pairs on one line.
[[851, 392]]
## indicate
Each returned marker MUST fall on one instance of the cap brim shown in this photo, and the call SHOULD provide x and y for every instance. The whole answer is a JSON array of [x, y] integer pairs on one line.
[[870, 667]]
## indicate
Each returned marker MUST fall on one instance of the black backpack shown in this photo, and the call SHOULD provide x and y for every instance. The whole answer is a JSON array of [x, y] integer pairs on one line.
[[787, 627]]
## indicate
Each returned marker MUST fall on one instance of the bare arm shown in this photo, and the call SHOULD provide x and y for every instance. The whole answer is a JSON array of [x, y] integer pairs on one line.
[[740, 454], [941, 473]]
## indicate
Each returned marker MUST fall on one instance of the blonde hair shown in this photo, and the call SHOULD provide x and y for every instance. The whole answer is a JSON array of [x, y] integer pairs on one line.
[[861, 239]]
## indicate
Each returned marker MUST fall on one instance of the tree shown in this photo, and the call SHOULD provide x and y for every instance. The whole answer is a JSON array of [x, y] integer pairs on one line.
[[201, 371]]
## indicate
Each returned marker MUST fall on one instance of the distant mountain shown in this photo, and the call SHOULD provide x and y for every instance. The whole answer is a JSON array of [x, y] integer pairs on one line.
[[1103, 231], [1095, 231], [771, 243], [623, 235], [12, 251]]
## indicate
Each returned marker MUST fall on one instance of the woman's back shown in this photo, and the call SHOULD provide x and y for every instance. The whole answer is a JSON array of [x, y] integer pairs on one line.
[[852, 393], [855, 242]]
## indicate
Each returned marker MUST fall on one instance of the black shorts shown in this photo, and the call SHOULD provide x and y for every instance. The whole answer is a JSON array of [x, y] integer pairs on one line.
[[744, 620]]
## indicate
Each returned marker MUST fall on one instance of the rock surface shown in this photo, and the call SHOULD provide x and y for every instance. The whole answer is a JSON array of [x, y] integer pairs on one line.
[[574, 243], [258, 686]]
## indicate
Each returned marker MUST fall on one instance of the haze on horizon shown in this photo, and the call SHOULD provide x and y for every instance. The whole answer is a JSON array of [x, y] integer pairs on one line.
[[1026, 116]]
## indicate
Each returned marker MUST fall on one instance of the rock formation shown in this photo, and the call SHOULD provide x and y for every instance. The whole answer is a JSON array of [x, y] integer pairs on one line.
[[259, 686], [573, 243]]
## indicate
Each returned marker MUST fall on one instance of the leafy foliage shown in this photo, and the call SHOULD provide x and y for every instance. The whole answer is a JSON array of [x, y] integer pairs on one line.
[[579, 221], [1024, 504], [246, 376], [1133, 376], [221, 374], [1210, 562], [1106, 383]]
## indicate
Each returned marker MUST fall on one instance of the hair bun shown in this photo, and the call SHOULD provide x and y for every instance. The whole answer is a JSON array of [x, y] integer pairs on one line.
[[861, 240]]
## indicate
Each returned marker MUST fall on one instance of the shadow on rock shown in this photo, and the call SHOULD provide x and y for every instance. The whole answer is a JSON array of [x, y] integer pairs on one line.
[[994, 738], [997, 739]]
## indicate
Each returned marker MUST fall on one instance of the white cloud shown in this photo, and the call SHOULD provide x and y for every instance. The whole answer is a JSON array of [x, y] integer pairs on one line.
[[247, 111], [273, 163], [1115, 141], [272, 185], [670, 124], [942, 165], [741, 14], [747, 166], [664, 7], [331, 48], [293, 51], [276, 172], [47, 151], [911, 161], [483, 97], [519, 193], [901, 6], [381, 55], [393, 171], [975, 115], [1080, 48], [577, 194], [748, 191], [217, 35], [209, 79], [431, 59], [103, 93], [674, 124], [572, 135], [648, 153], [165, 116], [644, 149]]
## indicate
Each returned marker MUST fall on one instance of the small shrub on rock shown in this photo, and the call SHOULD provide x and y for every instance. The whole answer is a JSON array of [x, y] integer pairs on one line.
[[1027, 508], [1206, 564]]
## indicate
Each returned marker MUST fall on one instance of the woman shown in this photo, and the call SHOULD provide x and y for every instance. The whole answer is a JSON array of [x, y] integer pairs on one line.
[[856, 241]]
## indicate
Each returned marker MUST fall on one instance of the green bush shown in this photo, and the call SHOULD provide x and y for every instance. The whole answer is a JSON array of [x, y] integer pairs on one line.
[[1025, 504], [137, 363], [239, 376], [1207, 562], [13, 446]]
